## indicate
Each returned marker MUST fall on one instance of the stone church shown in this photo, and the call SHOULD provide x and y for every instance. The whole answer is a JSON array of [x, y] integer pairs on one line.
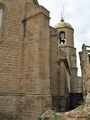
[[37, 62]]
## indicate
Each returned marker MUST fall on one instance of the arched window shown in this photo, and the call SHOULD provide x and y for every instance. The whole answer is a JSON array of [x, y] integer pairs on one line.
[[1, 12], [62, 37]]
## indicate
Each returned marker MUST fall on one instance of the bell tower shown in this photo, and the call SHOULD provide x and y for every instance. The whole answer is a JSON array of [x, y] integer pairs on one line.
[[65, 33], [66, 44]]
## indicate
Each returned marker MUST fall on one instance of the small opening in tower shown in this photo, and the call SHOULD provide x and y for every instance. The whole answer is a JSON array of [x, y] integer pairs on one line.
[[89, 57], [1, 12], [62, 37]]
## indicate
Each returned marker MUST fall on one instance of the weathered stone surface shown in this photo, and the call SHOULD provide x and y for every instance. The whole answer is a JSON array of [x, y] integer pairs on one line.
[[85, 68], [24, 59], [30, 73], [9, 116], [79, 113]]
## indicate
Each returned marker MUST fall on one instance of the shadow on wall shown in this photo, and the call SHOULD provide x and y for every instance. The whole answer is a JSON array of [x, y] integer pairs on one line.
[[75, 100]]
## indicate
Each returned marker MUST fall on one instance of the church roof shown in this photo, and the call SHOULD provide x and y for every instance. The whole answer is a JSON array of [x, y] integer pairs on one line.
[[63, 24]]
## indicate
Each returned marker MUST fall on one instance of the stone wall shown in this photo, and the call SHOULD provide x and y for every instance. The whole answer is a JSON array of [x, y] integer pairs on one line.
[[54, 67], [24, 59], [35, 70], [10, 45], [85, 68], [71, 58], [53, 62]]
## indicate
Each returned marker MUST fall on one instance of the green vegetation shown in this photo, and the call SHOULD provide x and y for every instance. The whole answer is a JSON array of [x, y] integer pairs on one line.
[[43, 118], [82, 103], [88, 118]]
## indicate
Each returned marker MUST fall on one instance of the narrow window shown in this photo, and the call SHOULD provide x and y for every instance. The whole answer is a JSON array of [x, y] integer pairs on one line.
[[1, 12], [62, 38]]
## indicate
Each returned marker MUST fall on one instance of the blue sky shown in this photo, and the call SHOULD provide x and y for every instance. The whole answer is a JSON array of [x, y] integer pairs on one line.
[[77, 13]]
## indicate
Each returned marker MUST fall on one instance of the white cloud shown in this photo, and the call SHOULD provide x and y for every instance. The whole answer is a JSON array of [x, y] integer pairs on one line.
[[70, 6], [88, 34]]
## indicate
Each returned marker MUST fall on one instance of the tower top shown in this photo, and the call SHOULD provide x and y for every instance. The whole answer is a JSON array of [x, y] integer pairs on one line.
[[62, 18], [62, 23]]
